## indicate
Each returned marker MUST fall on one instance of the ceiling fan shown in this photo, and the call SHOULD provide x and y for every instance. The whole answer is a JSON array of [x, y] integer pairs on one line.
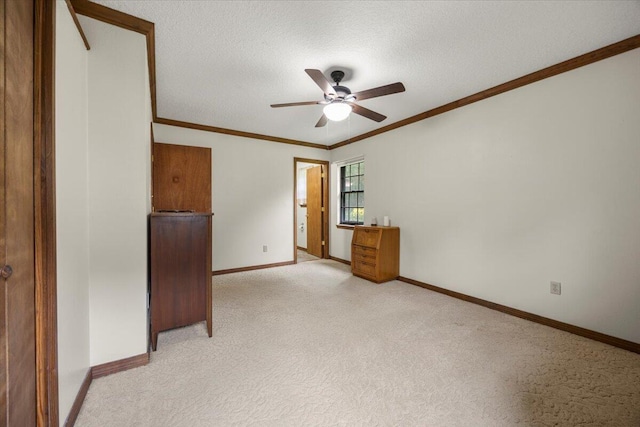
[[338, 100]]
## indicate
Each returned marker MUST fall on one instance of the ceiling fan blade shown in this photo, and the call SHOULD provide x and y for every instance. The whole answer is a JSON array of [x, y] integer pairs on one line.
[[321, 81], [322, 121], [365, 112], [295, 104], [380, 91]]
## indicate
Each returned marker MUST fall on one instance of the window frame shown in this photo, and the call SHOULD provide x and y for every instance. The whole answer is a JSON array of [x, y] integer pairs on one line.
[[347, 175]]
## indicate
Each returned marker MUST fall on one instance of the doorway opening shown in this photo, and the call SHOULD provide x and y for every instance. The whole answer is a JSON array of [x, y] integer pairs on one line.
[[310, 209]]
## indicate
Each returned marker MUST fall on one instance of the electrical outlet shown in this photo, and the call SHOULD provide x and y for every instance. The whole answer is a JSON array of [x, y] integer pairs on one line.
[[264, 248], [556, 288]]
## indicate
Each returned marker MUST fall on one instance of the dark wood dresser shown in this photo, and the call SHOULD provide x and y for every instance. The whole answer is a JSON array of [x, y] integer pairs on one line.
[[375, 253], [180, 270]]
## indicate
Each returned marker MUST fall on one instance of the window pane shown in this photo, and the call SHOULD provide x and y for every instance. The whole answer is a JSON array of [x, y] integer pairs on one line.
[[361, 215], [355, 183], [361, 182], [361, 168], [353, 199], [361, 200], [353, 215]]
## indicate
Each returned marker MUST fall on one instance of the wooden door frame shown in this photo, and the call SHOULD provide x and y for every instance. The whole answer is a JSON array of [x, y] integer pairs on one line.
[[45, 215], [325, 203]]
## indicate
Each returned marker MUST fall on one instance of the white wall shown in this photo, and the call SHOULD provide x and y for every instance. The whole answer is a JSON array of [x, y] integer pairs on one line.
[[119, 140], [498, 198], [72, 216], [252, 194]]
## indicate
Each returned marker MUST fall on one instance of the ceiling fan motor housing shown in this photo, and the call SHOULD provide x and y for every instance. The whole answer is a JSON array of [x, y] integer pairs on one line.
[[343, 94], [341, 91], [337, 76]]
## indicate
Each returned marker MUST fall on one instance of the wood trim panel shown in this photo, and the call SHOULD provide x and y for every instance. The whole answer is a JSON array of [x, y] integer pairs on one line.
[[568, 65], [119, 365], [74, 16], [208, 279], [45, 215], [344, 261], [101, 371], [215, 129], [151, 142], [300, 248], [112, 16], [4, 385], [128, 22], [314, 161], [79, 400], [253, 267], [151, 65], [576, 330]]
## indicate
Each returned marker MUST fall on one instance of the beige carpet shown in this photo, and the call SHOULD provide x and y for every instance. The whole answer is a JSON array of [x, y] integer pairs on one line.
[[311, 345], [304, 256]]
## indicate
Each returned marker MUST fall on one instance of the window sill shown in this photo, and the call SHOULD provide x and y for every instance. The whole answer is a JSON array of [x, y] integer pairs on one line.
[[345, 226]]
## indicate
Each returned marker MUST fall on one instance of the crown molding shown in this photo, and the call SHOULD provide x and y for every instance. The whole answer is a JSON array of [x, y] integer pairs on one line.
[[568, 65], [188, 125], [74, 16], [130, 22]]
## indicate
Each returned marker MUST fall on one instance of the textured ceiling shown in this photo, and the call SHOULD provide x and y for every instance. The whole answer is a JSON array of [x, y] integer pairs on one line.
[[222, 63]]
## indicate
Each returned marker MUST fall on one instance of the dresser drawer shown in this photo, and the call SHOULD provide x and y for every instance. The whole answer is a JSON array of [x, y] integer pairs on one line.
[[362, 267], [365, 251], [365, 259], [366, 237]]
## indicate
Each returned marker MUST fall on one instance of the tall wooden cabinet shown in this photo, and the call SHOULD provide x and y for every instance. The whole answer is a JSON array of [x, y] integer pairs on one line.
[[180, 270], [375, 253]]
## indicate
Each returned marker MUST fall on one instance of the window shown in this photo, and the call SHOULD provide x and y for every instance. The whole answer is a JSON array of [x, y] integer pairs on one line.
[[352, 193]]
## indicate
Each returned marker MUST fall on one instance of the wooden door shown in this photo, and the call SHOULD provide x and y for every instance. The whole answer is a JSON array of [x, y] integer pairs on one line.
[[314, 211], [181, 178], [17, 297]]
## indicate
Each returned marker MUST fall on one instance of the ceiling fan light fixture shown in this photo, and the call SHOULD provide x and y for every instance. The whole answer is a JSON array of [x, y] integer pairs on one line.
[[337, 111]]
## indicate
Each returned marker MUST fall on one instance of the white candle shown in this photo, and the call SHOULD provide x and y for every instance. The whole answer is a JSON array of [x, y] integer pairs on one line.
[[385, 221]]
